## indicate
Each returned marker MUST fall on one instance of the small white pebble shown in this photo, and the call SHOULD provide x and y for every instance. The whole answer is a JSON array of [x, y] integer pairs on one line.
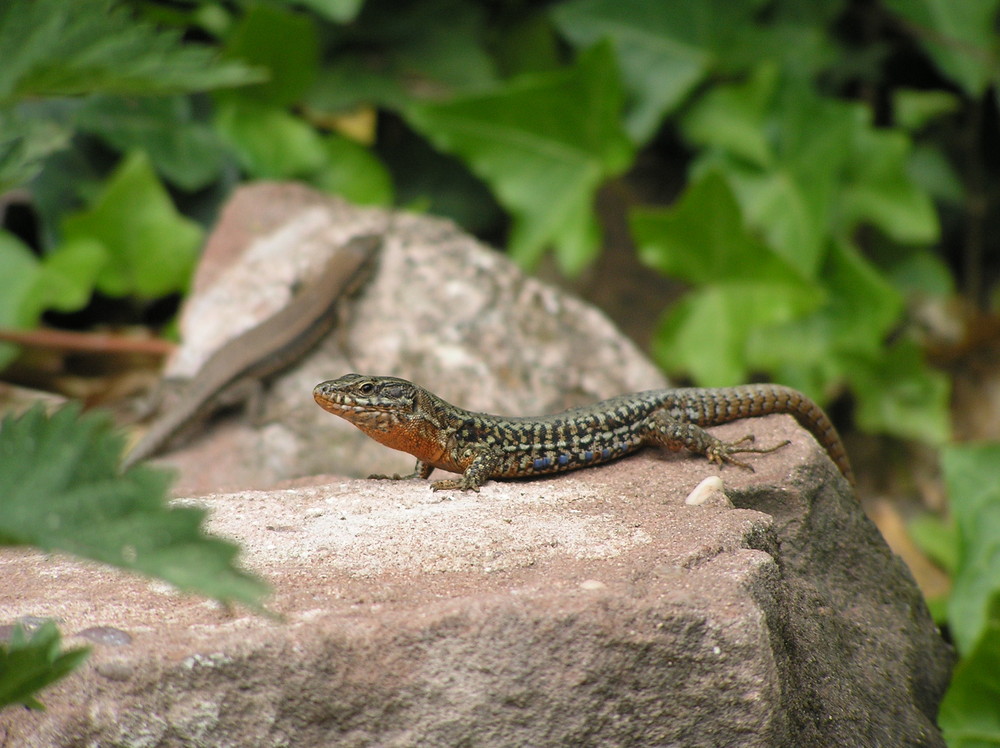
[[593, 584], [709, 490]]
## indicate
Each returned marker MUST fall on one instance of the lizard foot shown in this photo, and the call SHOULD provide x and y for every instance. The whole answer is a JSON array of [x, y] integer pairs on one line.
[[453, 485], [723, 452], [394, 476]]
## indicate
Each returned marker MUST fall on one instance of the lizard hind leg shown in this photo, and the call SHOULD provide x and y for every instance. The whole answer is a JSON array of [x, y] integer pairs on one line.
[[677, 435]]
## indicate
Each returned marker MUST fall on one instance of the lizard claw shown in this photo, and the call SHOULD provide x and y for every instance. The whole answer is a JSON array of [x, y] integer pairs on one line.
[[453, 485], [723, 452]]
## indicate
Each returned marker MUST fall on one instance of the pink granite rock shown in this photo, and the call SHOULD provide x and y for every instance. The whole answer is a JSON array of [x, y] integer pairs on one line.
[[590, 608]]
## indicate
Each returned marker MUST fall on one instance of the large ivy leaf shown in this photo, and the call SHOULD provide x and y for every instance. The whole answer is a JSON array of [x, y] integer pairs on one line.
[[743, 285], [969, 717], [57, 48], [785, 170], [960, 37], [706, 333], [972, 475], [29, 664], [658, 46], [703, 239], [186, 152], [666, 49], [544, 142], [152, 248], [798, 183], [62, 491], [270, 142]]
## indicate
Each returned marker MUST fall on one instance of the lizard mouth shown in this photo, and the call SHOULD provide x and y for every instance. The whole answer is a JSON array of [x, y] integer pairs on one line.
[[341, 403]]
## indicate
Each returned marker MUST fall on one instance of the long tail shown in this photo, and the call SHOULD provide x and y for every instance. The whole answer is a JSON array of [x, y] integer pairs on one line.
[[707, 406]]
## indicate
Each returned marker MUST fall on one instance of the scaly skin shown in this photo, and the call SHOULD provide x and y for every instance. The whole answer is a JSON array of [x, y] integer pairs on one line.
[[262, 351], [404, 416]]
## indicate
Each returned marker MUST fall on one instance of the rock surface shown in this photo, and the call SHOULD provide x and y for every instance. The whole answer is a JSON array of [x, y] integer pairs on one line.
[[441, 310], [593, 608]]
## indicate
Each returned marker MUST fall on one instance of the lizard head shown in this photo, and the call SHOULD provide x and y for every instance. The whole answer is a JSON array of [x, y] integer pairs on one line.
[[392, 411], [361, 397]]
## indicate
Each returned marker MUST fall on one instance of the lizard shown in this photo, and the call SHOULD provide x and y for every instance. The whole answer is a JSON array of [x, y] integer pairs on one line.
[[265, 349], [480, 446]]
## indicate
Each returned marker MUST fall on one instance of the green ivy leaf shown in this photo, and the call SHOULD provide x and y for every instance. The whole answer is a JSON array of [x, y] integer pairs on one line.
[[799, 184], [55, 48], [270, 143], [186, 152], [703, 239], [354, 173], [658, 45], [68, 276], [544, 142], [27, 665], [731, 118], [972, 476], [969, 717], [283, 42], [20, 274], [960, 38], [63, 491], [898, 393], [771, 154], [879, 190], [743, 284], [858, 311], [152, 248], [705, 334]]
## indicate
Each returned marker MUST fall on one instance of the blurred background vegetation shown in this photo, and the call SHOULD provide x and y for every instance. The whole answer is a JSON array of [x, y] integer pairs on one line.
[[802, 192]]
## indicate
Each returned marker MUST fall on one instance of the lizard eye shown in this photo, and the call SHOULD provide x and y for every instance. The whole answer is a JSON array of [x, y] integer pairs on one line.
[[367, 388]]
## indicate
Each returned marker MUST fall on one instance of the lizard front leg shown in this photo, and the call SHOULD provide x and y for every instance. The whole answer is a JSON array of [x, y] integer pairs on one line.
[[484, 463], [676, 435]]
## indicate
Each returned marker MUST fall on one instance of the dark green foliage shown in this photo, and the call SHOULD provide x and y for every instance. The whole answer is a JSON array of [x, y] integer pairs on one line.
[[831, 159], [969, 714], [30, 663]]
